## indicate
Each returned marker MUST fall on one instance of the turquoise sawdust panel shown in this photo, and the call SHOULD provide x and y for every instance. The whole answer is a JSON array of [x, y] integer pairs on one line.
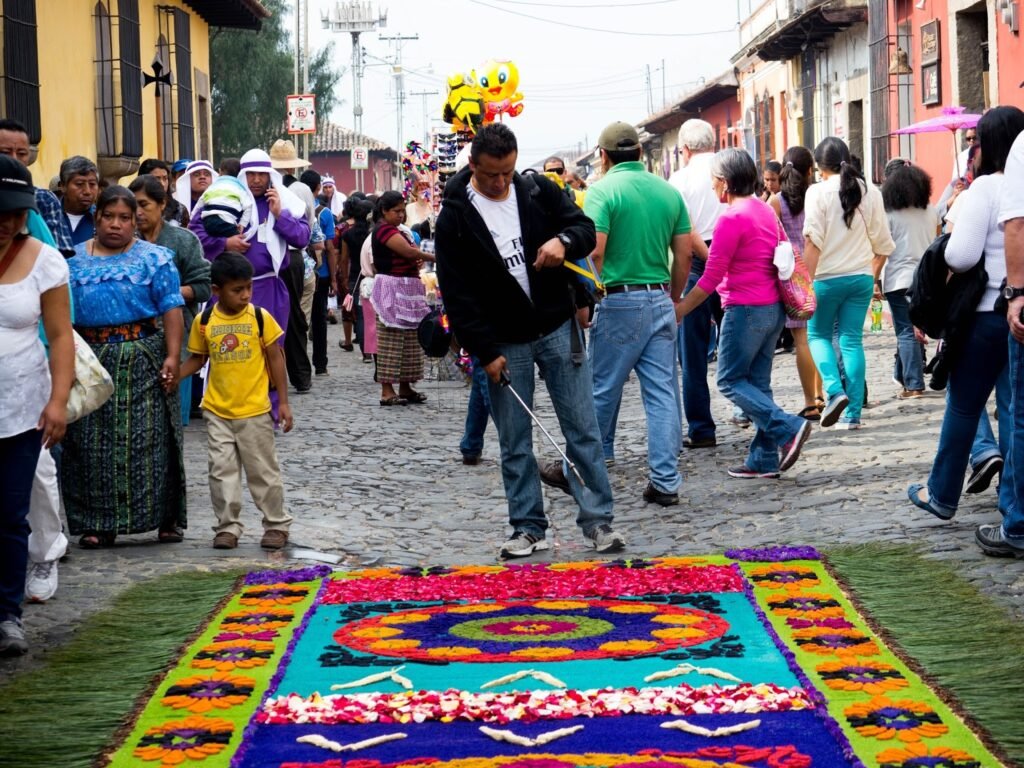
[[740, 646]]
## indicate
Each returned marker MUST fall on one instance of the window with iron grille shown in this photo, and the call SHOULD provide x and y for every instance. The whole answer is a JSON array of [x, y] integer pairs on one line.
[[177, 121], [19, 80], [118, 79]]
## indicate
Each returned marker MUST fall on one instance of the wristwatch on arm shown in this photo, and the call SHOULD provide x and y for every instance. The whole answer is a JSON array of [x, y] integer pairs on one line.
[[1010, 293], [567, 242]]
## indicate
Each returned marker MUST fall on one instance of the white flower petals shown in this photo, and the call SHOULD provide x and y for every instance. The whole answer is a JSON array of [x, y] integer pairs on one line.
[[524, 741], [316, 740], [543, 677], [697, 730], [689, 669], [391, 675]]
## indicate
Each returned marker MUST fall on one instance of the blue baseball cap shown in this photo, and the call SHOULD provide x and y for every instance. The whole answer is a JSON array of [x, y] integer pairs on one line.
[[180, 165]]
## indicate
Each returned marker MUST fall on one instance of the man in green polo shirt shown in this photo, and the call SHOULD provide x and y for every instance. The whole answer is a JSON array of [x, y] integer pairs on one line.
[[643, 254]]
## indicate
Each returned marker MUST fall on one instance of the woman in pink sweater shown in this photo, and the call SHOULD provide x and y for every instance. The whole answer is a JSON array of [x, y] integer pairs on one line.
[[741, 269]]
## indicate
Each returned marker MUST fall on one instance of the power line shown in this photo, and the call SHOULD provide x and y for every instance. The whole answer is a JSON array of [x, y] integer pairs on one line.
[[589, 5], [595, 29]]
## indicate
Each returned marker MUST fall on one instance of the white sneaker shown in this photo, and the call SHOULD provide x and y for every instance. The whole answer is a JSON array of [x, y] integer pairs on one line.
[[12, 638], [604, 539], [522, 544], [41, 584]]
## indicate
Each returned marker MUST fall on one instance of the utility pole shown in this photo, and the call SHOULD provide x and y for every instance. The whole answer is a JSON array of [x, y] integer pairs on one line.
[[398, 40], [650, 96], [355, 17], [426, 128], [664, 98]]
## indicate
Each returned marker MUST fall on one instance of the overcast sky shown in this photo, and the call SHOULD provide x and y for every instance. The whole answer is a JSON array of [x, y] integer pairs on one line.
[[574, 81]]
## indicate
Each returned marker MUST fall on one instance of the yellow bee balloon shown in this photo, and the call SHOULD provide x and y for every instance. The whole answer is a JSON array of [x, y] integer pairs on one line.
[[464, 106], [499, 86]]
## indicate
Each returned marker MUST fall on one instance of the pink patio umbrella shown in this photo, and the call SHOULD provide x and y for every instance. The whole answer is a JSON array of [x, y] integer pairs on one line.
[[952, 119]]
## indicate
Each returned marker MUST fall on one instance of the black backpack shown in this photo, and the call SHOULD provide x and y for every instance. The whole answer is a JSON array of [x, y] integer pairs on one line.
[[942, 304]]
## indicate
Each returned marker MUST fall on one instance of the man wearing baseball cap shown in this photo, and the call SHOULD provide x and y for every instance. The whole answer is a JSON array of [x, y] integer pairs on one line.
[[642, 253]]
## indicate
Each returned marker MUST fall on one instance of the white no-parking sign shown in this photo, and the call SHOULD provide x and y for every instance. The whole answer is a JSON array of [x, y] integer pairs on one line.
[[302, 113]]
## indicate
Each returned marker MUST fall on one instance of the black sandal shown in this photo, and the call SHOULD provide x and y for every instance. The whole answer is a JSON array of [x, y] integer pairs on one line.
[[393, 400], [171, 535], [96, 540], [811, 413], [415, 398]]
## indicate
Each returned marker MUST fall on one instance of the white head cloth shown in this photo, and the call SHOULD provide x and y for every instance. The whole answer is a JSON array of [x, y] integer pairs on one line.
[[183, 186], [258, 161]]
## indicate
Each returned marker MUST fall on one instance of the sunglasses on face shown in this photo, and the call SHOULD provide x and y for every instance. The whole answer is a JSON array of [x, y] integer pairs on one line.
[[559, 171], [971, 138]]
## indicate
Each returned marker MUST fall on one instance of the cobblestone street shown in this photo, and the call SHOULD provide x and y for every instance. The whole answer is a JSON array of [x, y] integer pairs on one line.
[[386, 486]]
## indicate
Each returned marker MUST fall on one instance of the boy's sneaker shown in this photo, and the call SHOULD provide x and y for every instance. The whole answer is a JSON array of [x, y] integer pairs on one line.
[[604, 539], [746, 473], [12, 638], [522, 544], [41, 583], [653, 496], [834, 409], [274, 539], [790, 452], [225, 540]]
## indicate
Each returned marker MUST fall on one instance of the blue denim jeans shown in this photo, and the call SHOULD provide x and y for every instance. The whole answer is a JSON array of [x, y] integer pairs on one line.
[[637, 331], [19, 455], [746, 350], [845, 299], [1013, 513], [571, 388], [477, 413], [909, 363], [694, 339], [972, 378]]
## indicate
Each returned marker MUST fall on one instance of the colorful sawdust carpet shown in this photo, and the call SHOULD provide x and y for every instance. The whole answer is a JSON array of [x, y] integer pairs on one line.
[[753, 659]]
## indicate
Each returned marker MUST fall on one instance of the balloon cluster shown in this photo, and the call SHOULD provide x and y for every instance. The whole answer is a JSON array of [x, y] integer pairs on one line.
[[474, 99], [417, 164]]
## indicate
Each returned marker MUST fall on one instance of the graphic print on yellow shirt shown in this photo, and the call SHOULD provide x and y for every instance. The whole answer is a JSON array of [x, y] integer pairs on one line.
[[237, 386]]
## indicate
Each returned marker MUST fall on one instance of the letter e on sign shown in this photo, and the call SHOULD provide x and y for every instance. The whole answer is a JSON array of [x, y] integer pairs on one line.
[[301, 109], [360, 158]]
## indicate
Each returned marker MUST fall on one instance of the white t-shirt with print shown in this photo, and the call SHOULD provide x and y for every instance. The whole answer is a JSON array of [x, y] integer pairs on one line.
[[502, 220], [1012, 201]]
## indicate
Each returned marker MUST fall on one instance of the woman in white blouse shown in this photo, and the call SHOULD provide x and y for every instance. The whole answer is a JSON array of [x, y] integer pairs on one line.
[[33, 392], [982, 365], [846, 242]]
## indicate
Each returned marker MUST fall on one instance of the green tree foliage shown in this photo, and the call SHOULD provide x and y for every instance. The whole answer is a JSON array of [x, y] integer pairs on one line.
[[252, 73]]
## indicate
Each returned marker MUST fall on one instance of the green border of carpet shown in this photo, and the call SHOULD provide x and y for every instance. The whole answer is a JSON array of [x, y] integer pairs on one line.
[[67, 712], [946, 630]]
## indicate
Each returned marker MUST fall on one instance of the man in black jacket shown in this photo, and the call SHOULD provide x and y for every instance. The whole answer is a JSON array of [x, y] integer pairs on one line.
[[501, 240]]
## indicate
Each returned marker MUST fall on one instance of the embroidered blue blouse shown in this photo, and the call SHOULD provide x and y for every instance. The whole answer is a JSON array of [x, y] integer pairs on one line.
[[139, 284]]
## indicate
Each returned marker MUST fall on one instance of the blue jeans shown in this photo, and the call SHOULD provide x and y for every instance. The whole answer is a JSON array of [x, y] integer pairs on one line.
[[694, 345], [477, 413], [971, 380], [909, 363], [746, 350], [19, 455], [637, 331], [1013, 514], [571, 389], [845, 299]]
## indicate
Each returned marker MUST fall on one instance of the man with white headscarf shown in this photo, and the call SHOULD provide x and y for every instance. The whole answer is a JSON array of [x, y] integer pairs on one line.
[[331, 197], [198, 175], [280, 223]]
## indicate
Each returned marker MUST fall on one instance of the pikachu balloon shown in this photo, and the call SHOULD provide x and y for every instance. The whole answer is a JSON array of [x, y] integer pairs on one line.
[[499, 86]]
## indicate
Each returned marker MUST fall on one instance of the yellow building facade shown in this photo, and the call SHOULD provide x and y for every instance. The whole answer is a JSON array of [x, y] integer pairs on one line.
[[117, 81]]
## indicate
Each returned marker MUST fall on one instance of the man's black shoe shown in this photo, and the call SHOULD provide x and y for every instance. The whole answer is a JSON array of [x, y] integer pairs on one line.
[[551, 474], [653, 496], [701, 442]]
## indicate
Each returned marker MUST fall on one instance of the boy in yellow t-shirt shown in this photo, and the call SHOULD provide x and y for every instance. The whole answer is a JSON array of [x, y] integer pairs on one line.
[[240, 341]]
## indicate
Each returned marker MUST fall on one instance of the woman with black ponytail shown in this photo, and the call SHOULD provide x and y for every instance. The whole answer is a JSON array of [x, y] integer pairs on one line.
[[796, 175], [846, 243]]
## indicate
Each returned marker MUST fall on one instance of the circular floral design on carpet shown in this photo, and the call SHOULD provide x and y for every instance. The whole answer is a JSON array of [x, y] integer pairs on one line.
[[194, 738], [863, 675], [538, 630], [920, 756], [202, 693]]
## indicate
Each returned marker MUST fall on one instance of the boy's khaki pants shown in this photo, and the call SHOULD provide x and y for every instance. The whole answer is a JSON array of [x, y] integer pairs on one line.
[[235, 444]]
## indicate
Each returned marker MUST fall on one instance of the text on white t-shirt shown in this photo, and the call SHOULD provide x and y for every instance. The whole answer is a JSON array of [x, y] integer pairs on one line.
[[502, 220]]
